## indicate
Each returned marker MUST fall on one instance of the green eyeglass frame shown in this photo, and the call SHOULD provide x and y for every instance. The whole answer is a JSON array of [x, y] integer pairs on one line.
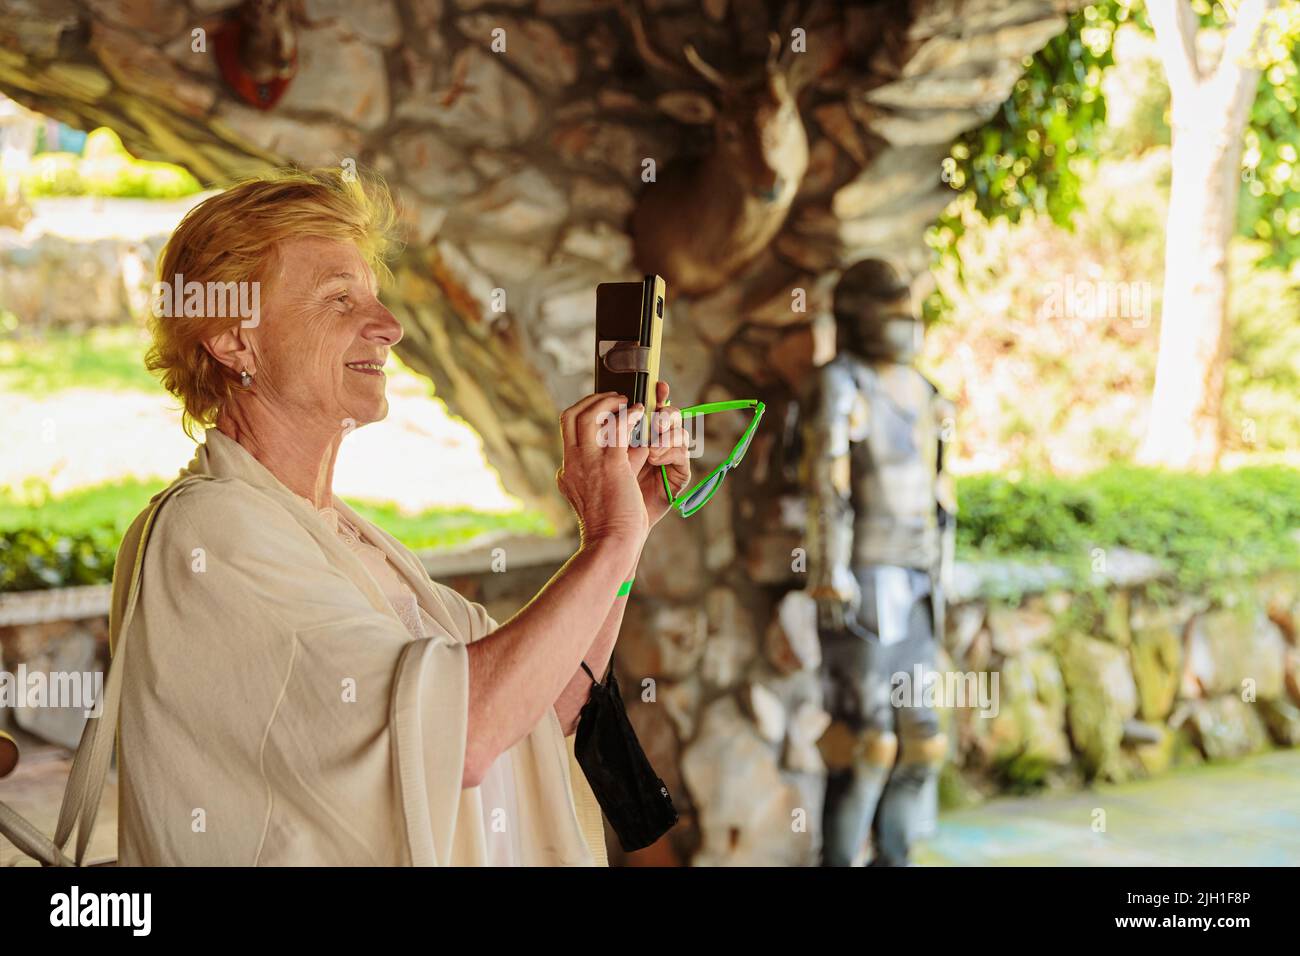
[[697, 497]]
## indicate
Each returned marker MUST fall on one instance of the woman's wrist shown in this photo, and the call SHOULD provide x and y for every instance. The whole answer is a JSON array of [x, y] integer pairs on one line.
[[621, 550]]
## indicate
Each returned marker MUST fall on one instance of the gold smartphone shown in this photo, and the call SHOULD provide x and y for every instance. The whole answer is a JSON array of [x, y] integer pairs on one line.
[[629, 335]]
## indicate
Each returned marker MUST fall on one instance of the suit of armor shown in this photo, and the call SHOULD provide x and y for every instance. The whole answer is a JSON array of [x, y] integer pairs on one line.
[[879, 535]]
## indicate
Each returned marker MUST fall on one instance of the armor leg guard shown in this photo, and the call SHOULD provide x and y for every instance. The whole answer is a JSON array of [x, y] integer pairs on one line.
[[903, 805], [853, 788], [900, 806]]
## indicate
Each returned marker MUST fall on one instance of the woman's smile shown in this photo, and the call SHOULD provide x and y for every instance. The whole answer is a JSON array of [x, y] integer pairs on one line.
[[366, 368]]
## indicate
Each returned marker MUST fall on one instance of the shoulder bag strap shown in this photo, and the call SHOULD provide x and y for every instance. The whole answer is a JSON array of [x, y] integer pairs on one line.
[[90, 766]]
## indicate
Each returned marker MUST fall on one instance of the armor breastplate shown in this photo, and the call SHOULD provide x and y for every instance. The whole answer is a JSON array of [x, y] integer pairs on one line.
[[893, 455]]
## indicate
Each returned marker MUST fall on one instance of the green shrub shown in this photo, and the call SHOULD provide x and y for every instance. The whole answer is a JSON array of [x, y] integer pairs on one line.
[[105, 169], [1207, 528], [54, 174], [32, 559]]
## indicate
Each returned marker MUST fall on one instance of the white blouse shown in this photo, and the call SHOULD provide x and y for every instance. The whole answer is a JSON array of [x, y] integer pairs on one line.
[[496, 793]]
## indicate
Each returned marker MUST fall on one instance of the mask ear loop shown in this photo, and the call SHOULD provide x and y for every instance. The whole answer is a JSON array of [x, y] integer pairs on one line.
[[593, 676]]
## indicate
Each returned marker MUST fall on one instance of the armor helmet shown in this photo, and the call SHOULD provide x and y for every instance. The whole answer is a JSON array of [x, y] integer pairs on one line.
[[873, 313]]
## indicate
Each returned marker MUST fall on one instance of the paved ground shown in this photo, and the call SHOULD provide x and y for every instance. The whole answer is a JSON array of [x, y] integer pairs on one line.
[[419, 457], [1241, 814], [35, 790]]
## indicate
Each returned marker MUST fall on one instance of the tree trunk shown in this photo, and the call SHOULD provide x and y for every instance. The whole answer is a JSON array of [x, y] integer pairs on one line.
[[1209, 115], [1184, 428]]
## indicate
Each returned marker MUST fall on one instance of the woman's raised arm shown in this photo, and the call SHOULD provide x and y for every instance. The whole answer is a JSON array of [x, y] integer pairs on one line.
[[519, 670]]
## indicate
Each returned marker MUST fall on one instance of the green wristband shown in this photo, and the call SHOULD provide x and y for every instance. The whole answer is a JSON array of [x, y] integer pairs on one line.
[[626, 587]]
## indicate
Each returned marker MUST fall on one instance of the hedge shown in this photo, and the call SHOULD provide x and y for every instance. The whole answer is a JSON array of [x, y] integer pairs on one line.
[[1207, 528]]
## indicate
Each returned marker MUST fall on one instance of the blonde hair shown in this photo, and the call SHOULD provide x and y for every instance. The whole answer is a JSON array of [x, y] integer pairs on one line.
[[232, 237]]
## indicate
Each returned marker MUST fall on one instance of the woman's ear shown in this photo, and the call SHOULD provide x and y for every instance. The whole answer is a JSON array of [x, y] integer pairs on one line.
[[232, 350]]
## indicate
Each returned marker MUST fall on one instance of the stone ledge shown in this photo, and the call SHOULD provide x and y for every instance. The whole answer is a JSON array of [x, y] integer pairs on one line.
[[55, 604], [79, 603], [973, 580], [521, 551]]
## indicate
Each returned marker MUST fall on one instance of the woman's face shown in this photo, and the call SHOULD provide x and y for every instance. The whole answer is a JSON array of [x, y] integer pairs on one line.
[[323, 336]]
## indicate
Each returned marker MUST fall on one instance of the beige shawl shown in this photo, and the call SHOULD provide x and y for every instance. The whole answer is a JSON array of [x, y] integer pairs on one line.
[[275, 710]]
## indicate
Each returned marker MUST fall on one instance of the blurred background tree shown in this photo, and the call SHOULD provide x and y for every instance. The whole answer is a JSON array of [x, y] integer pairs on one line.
[[1059, 231]]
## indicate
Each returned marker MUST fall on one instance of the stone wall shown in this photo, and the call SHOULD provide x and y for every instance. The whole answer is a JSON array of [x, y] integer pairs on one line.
[[1123, 682], [52, 282]]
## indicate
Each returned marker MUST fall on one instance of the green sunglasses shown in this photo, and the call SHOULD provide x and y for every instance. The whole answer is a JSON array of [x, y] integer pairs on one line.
[[692, 501]]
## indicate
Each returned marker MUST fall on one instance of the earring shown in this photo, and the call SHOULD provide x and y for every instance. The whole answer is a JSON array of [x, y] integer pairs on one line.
[[245, 379]]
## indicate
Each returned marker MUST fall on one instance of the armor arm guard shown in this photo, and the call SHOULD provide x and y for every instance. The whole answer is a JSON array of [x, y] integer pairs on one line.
[[945, 414], [827, 476]]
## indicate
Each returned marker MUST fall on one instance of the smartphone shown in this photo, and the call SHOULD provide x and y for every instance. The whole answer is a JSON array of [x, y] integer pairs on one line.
[[629, 334]]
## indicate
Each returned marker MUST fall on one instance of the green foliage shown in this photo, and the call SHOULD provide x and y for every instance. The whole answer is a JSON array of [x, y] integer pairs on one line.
[[53, 174], [1026, 157], [35, 558], [1269, 204], [1260, 411], [1023, 773], [1208, 529], [1030, 154], [1041, 391], [1044, 378], [105, 169], [1137, 96], [48, 542]]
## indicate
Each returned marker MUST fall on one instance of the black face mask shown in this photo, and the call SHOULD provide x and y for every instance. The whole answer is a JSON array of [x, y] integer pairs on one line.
[[633, 798]]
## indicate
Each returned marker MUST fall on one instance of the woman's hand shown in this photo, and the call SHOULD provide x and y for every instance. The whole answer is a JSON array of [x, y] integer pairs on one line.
[[671, 449], [599, 472], [615, 487]]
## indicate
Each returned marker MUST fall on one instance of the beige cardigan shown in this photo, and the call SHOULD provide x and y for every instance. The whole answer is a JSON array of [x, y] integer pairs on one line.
[[275, 711]]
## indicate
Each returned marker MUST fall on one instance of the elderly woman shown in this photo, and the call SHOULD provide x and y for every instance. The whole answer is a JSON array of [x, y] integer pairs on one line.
[[297, 690]]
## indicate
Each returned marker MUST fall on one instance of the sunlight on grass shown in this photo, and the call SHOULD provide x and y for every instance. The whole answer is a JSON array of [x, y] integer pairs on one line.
[[112, 505], [110, 358], [50, 541], [116, 504]]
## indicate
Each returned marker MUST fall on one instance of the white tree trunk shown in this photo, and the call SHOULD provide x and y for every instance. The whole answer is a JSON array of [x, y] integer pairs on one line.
[[1184, 428], [1208, 117]]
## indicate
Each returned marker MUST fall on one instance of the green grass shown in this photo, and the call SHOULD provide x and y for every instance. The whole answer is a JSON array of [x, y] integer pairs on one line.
[[112, 506], [110, 358], [72, 539], [448, 527]]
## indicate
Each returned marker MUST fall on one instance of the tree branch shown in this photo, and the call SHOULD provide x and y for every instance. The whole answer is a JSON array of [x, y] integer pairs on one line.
[[1235, 75], [1174, 23]]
